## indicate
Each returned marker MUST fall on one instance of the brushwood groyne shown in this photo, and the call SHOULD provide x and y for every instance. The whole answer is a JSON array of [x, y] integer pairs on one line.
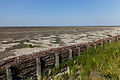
[[21, 67]]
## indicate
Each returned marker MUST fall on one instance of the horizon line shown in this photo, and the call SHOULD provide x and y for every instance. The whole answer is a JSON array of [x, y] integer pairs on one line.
[[58, 25]]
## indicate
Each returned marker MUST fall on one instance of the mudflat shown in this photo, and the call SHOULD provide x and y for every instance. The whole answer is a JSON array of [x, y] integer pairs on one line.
[[16, 41]]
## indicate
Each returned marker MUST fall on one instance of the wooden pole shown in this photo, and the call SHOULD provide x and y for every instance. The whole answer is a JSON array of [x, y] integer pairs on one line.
[[57, 60], [9, 73], [88, 47], [95, 46], [106, 41], [68, 70], [38, 66], [117, 38], [79, 51], [110, 41], [102, 43], [70, 54]]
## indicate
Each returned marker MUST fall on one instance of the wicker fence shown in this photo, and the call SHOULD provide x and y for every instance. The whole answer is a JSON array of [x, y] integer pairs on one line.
[[32, 65]]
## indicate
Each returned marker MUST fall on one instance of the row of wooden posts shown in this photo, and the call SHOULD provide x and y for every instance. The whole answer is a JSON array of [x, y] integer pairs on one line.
[[57, 63], [38, 63], [38, 66]]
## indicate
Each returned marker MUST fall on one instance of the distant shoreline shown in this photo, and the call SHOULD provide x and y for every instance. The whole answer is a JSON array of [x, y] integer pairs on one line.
[[52, 26]]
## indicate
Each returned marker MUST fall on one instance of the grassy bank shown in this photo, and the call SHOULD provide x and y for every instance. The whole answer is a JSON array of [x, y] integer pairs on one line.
[[102, 63]]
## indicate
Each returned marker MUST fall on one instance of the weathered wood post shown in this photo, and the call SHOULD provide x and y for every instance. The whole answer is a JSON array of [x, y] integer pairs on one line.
[[106, 41], [68, 70], [57, 61], [110, 41], [88, 47], [38, 66], [117, 38], [70, 57], [113, 39], [102, 43], [70, 54], [9, 73], [94, 45], [79, 51]]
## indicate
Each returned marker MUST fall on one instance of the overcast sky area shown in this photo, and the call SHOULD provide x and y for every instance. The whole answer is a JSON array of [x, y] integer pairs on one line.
[[59, 12]]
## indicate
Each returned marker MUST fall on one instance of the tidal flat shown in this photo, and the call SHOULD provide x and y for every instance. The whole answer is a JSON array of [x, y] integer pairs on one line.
[[16, 41]]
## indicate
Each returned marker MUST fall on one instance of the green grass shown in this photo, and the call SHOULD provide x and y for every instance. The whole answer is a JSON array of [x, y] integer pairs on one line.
[[22, 45], [59, 41], [104, 62]]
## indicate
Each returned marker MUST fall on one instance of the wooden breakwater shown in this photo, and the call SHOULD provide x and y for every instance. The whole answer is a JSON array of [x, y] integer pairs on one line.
[[32, 65]]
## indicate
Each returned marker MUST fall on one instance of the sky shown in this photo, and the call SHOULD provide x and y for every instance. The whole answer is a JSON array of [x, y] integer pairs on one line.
[[59, 12]]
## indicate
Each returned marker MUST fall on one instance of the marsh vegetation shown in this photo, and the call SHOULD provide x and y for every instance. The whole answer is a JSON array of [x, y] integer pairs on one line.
[[101, 63]]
